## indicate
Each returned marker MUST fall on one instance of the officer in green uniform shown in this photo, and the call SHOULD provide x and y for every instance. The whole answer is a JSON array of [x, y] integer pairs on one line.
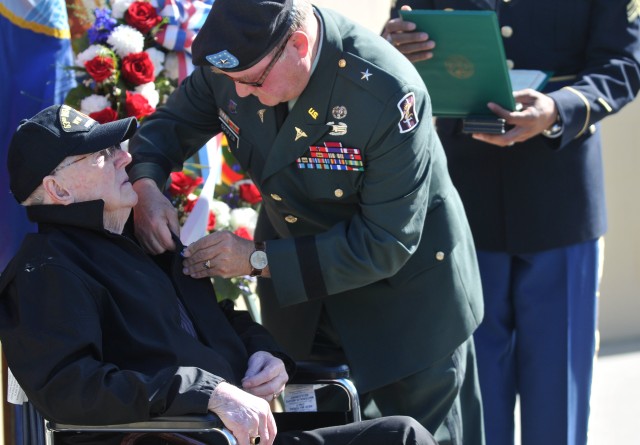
[[364, 249]]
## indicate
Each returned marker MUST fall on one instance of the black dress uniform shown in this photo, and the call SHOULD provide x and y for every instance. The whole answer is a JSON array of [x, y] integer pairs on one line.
[[365, 223], [537, 209]]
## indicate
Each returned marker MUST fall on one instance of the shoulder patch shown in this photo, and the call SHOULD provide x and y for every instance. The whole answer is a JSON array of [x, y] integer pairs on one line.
[[408, 118]]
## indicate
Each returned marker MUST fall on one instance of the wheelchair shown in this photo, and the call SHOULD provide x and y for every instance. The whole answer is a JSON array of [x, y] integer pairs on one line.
[[297, 411]]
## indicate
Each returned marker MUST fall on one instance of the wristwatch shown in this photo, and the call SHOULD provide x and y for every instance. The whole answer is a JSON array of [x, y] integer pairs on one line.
[[258, 260], [554, 130]]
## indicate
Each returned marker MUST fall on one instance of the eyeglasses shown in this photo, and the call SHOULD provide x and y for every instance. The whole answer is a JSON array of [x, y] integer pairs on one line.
[[101, 157], [268, 69]]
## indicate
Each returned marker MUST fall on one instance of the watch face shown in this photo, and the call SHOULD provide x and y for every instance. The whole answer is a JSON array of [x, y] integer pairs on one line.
[[258, 259]]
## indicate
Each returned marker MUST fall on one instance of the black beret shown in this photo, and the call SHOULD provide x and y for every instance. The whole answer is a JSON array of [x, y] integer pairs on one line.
[[239, 33]]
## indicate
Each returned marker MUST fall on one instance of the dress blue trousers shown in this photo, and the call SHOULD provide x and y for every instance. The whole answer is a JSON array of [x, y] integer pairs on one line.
[[537, 341]]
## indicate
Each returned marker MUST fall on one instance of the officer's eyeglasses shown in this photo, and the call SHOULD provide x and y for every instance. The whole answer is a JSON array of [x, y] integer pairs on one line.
[[100, 158], [269, 67]]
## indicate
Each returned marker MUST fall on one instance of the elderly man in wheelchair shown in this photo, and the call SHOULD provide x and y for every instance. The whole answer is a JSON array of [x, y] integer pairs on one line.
[[96, 332]]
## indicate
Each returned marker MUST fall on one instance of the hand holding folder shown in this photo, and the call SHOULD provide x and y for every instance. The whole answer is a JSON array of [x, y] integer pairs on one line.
[[469, 68]]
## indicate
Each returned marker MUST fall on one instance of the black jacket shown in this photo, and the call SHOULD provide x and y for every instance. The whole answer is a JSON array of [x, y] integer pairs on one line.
[[91, 329]]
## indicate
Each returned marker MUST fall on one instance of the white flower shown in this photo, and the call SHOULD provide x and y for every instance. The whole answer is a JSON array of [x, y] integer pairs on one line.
[[171, 66], [222, 212], [94, 103], [126, 40], [243, 217], [157, 58], [119, 7], [90, 53], [148, 90]]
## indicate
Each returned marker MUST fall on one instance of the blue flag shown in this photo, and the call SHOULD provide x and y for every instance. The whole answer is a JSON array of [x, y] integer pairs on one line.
[[35, 48]]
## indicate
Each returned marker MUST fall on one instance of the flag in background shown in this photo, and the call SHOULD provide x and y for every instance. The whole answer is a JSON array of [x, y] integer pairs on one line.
[[35, 47]]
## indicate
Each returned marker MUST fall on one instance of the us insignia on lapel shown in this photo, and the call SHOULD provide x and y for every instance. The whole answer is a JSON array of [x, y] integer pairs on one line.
[[408, 118]]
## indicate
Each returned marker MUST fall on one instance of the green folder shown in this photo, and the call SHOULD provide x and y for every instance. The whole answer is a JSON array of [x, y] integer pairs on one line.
[[468, 68]]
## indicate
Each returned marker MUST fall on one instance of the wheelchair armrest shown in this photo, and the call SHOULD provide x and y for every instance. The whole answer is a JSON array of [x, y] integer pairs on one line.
[[316, 370], [191, 423]]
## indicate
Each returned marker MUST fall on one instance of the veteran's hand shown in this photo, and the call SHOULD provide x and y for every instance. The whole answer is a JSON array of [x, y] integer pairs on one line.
[[219, 254], [416, 46], [154, 218], [265, 376], [243, 414], [538, 113]]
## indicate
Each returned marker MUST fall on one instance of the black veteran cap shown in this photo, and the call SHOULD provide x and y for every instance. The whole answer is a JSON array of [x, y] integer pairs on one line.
[[41, 143], [239, 33]]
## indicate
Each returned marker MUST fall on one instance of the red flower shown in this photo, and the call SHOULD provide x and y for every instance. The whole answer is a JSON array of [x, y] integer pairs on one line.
[[242, 232], [137, 68], [100, 68], [189, 205], [104, 116], [250, 193], [137, 105], [142, 16], [212, 221], [182, 184]]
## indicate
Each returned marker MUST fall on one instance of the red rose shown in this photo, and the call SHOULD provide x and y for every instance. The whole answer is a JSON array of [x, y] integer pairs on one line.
[[137, 68], [100, 68], [142, 16], [104, 116], [250, 193], [242, 232], [137, 105], [212, 221], [182, 184]]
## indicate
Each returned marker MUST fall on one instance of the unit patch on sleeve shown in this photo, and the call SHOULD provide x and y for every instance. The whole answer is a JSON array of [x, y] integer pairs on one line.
[[408, 118], [332, 156]]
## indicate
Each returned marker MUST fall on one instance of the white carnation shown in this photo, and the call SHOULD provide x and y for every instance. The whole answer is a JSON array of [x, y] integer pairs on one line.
[[94, 103], [243, 217], [119, 7], [91, 53], [148, 90], [171, 69], [222, 212], [157, 58], [126, 40]]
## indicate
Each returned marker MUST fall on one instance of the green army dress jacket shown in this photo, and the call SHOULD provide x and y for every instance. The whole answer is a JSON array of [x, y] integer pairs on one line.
[[363, 216]]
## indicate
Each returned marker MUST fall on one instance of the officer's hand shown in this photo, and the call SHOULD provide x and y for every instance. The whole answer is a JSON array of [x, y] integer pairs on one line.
[[220, 254], [265, 376], [154, 218], [415, 45], [243, 414], [538, 113]]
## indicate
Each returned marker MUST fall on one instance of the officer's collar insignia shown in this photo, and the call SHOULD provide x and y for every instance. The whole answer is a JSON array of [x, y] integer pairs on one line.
[[223, 60], [365, 75], [261, 114], [313, 113], [300, 134], [233, 107], [73, 121]]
